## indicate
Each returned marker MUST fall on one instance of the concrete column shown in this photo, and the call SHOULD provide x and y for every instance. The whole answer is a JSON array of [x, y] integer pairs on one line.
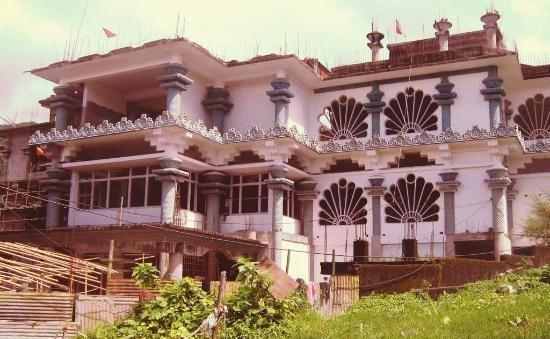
[[511, 194], [217, 104], [280, 96], [374, 107], [498, 180], [175, 82], [61, 103], [277, 184], [55, 186], [490, 26], [306, 195], [375, 44], [493, 93], [376, 191], [448, 187], [442, 27], [169, 174], [444, 98], [214, 189], [175, 263], [164, 250]]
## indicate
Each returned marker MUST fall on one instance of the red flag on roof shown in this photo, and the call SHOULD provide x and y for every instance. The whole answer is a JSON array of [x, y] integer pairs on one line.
[[108, 33], [39, 151], [398, 29]]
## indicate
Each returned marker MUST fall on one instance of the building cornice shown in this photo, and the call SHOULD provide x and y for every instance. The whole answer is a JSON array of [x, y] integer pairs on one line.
[[167, 119]]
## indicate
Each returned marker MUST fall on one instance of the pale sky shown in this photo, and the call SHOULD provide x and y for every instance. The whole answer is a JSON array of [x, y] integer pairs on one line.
[[35, 33]]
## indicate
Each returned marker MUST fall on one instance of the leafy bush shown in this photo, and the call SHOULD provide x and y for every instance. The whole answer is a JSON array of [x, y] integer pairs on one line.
[[175, 313], [146, 276], [253, 307], [253, 312]]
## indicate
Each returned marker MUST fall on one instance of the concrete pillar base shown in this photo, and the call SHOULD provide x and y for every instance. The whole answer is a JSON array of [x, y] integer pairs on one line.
[[376, 247], [164, 264], [175, 266]]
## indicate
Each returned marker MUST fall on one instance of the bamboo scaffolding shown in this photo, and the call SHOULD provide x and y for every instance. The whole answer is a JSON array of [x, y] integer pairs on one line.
[[43, 270]]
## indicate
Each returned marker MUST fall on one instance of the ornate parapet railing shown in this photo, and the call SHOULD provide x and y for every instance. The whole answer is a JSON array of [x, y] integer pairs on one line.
[[144, 122], [539, 146], [423, 138], [167, 119]]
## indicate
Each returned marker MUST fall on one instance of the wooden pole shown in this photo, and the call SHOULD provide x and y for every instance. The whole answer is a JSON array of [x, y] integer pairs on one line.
[[287, 260], [111, 256], [333, 272], [120, 211], [219, 304]]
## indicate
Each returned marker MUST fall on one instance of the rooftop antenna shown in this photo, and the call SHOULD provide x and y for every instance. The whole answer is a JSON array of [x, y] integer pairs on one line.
[[79, 28], [177, 25]]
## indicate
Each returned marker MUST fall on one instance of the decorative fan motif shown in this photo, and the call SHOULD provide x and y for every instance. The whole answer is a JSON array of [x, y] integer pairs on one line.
[[411, 200], [344, 119], [343, 204], [533, 118], [411, 112]]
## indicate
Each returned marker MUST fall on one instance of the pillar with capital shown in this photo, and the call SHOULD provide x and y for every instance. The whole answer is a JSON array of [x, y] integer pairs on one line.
[[214, 189], [175, 82], [376, 191], [493, 93], [170, 175], [374, 107], [511, 194], [497, 182], [277, 184], [62, 102], [217, 104], [444, 99], [280, 96], [306, 196], [448, 186], [56, 186]]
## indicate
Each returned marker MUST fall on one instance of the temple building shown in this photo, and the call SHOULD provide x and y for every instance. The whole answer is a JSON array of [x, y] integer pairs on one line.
[[174, 153]]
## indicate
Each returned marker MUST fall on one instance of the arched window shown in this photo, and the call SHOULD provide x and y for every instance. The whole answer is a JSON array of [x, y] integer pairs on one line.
[[533, 118], [411, 200], [343, 204], [411, 112], [344, 119]]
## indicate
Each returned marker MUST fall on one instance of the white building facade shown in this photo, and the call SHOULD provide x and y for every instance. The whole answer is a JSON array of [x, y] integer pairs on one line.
[[445, 142]]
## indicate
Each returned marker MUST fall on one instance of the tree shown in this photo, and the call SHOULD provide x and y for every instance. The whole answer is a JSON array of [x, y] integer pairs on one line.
[[537, 224]]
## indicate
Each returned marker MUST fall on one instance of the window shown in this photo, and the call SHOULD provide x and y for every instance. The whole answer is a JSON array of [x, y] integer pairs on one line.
[[248, 194], [133, 187], [290, 204], [190, 196]]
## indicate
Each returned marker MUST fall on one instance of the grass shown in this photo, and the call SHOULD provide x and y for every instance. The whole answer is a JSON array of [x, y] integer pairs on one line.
[[510, 306]]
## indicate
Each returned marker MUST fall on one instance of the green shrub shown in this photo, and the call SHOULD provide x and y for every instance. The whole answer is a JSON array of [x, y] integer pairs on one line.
[[146, 276]]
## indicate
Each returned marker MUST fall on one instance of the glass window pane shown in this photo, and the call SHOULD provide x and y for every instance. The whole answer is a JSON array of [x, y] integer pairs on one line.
[[192, 197], [85, 175], [120, 172], [139, 170], [250, 199], [85, 195], [118, 192], [235, 200], [154, 192], [138, 192], [264, 201], [250, 178], [100, 194], [100, 174], [184, 194]]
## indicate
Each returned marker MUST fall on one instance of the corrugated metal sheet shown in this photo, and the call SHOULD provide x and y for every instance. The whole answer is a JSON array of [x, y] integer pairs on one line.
[[36, 306], [37, 329], [92, 310]]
